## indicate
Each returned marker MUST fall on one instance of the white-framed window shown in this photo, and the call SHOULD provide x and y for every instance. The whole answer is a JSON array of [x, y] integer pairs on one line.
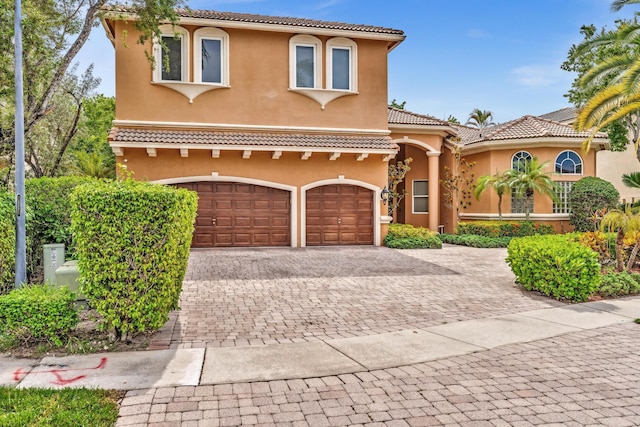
[[562, 206], [519, 159], [519, 204], [211, 56], [305, 62], [568, 163], [420, 196], [342, 64], [172, 60]]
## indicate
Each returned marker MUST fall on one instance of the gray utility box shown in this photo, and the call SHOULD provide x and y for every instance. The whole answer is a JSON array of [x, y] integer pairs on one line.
[[53, 258], [67, 275]]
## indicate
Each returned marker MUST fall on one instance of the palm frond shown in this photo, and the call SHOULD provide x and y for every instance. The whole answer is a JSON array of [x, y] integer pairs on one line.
[[631, 179]]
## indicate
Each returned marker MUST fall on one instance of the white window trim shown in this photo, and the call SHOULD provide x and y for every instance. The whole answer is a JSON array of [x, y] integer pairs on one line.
[[319, 94], [569, 174], [172, 31], [518, 152], [342, 43], [307, 41], [413, 197], [211, 34]]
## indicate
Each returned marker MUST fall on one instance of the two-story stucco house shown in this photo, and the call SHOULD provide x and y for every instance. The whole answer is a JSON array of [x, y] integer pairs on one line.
[[282, 127]]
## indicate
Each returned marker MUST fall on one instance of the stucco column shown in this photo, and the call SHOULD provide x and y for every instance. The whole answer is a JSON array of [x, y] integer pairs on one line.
[[434, 189]]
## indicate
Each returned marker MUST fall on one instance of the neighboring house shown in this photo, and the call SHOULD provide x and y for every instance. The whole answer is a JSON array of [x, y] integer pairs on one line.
[[281, 126], [493, 149], [610, 165]]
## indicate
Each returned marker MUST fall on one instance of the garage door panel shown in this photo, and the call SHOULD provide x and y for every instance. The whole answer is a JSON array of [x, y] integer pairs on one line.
[[339, 215], [280, 205], [242, 221], [242, 205]]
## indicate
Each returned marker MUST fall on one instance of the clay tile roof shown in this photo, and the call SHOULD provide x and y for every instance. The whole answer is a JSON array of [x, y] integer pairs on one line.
[[124, 137], [525, 127], [567, 114], [404, 117], [274, 20]]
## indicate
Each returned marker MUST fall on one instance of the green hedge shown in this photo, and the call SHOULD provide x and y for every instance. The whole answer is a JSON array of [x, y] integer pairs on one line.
[[37, 313], [49, 220], [405, 236], [7, 242], [618, 284], [588, 195], [503, 228], [555, 266], [475, 241], [133, 241]]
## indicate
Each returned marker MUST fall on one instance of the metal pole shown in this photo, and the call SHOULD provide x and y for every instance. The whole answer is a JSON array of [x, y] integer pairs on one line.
[[21, 250]]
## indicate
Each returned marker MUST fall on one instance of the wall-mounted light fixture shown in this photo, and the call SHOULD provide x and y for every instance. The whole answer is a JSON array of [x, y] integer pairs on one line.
[[384, 195]]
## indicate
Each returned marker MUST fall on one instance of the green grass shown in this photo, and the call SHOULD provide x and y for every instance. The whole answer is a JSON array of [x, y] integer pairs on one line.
[[60, 408]]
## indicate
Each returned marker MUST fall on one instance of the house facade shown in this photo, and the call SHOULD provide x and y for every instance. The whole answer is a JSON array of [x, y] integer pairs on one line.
[[281, 126]]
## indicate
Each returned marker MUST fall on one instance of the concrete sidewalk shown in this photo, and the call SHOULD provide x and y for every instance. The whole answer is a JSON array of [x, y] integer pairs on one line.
[[191, 367]]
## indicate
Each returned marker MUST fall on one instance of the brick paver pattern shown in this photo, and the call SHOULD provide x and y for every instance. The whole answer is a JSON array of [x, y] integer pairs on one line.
[[587, 378], [244, 297]]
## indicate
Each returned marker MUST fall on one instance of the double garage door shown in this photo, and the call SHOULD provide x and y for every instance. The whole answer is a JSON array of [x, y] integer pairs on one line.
[[233, 214]]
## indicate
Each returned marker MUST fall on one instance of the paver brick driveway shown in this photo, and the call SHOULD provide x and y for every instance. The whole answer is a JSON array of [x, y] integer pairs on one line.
[[240, 297]]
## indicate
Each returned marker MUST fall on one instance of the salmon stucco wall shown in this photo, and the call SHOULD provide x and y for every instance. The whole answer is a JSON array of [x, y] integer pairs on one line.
[[259, 86]]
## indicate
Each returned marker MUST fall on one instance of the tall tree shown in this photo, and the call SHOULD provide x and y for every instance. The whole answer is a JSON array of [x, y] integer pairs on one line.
[[53, 34], [480, 118], [531, 178], [614, 80], [91, 149]]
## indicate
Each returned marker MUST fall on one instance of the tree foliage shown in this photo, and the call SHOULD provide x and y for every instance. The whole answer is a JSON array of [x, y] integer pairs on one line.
[[53, 34], [397, 173], [398, 105], [531, 178], [500, 182], [587, 197], [480, 118], [458, 181]]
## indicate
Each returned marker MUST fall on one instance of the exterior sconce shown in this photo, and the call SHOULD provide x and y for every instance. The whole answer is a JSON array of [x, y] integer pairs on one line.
[[384, 195]]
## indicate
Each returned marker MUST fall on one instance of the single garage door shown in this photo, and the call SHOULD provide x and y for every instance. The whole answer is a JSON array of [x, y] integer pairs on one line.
[[235, 214], [339, 215]]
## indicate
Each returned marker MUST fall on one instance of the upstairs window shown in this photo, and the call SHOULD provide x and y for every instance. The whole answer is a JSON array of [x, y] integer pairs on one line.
[[305, 62], [341, 64], [172, 59], [211, 56], [569, 163]]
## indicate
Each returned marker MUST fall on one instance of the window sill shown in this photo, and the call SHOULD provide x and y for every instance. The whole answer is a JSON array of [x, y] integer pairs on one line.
[[191, 90], [322, 96]]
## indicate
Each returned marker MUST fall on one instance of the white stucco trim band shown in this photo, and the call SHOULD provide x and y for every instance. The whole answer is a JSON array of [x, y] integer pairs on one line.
[[515, 216], [243, 180]]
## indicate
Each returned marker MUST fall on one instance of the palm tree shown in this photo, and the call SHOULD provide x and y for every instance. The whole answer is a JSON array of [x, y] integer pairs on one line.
[[631, 179], [623, 222], [480, 118], [530, 178], [500, 182]]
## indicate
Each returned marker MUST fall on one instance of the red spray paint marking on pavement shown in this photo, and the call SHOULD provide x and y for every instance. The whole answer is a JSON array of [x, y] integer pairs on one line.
[[19, 374]]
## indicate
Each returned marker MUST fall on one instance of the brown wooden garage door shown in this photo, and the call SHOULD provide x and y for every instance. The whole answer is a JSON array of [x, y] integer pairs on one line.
[[339, 215], [234, 214]]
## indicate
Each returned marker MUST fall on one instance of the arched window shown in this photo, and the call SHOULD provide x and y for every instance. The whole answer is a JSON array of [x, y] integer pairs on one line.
[[172, 59], [519, 159], [569, 163], [305, 62], [211, 56]]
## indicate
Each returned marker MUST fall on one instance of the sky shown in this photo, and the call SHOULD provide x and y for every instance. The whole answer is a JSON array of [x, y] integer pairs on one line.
[[498, 55]]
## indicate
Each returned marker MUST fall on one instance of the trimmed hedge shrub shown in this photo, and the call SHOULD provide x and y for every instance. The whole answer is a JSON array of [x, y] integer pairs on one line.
[[555, 266], [475, 241], [588, 195], [503, 228], [7, 242], [405, 236], [618, 284], [36, 313], [133, 241], [49, 220]]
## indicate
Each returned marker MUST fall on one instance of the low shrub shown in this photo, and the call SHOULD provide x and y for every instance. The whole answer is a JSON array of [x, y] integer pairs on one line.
[[555, 266], [475, 241], [7, 242], [38, 313], [133, 240], [503, 228], [406, 236], [617, 284]]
